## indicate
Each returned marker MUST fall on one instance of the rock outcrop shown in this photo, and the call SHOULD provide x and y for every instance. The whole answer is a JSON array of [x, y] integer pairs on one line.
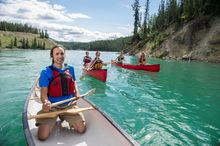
[[199, 39]]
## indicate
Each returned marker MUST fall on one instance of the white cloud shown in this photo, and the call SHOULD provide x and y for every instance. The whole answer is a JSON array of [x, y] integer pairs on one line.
[[126, 29], [58, 7], [52, 17], [77, 15]]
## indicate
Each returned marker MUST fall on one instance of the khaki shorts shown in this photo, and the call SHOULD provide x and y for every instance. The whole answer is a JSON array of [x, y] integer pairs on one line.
[[71, 119]]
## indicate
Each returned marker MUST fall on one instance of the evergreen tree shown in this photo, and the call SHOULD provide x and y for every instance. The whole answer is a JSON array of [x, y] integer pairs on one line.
[[146, 17], [8, 26], [46, 34], [136, 9], [15, 42], [27, 44], [188, 9], [42, 34], [44, 46], [35, 43], [39, 44], [23, 43], [161, 15], [12, 43], [174, 8]]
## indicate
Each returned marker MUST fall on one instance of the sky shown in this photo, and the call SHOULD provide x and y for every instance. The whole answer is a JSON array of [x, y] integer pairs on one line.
[[75, 20]]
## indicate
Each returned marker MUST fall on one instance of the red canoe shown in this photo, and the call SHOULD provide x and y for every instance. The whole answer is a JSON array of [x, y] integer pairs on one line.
[[151, 67], [100, 74]]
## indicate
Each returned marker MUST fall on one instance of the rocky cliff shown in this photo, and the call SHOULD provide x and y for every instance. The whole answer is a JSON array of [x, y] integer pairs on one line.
[[198, 39]]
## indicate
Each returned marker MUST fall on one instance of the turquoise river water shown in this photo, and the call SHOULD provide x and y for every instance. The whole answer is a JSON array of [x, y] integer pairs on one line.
[[180, 105]]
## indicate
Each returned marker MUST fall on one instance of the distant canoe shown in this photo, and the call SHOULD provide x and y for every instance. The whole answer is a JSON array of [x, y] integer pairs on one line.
[[149, 67], [100, 74], [101, 130]]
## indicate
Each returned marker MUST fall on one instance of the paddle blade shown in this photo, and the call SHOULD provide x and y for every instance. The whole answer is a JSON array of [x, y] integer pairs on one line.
[[82, 77], [90, 92]]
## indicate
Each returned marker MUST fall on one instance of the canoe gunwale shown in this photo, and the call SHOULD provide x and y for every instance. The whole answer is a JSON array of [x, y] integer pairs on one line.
[[27, 133]]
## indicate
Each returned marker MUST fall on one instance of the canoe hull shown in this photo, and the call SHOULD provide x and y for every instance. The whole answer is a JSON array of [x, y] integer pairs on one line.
[[152, 67], [100, 74], [101, 130]]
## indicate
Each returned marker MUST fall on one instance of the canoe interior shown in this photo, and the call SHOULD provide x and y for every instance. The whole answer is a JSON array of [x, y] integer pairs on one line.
[[101, 130]]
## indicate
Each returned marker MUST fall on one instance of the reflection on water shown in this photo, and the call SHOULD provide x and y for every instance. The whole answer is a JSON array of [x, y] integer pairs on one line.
[[91, 82]]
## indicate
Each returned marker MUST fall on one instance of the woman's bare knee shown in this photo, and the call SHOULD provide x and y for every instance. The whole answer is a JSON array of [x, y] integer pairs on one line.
[[44, 132], [79, 127], [81, 130], [42, 137]]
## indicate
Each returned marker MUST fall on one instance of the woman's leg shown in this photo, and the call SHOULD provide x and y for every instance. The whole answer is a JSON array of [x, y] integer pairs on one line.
[[44, 131]]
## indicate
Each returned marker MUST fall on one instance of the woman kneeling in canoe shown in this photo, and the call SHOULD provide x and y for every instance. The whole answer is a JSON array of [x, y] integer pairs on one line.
[[97, 63], [57, 83]]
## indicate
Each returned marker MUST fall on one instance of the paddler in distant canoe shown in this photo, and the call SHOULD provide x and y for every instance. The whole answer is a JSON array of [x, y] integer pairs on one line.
[[142, 59], [87, 59], [97, 63], [120, 59]]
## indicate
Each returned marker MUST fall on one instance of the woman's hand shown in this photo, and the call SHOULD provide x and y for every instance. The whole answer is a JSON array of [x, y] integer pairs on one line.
[[46, 105], [77, 95]]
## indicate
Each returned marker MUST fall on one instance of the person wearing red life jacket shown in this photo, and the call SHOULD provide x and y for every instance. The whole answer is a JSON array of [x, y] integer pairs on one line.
[[87, 59], [57, 83]]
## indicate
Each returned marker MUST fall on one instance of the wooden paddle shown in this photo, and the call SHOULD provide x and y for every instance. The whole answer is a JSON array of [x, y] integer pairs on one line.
[[89, 68], [90, 92], [72, 111], [82, 76]]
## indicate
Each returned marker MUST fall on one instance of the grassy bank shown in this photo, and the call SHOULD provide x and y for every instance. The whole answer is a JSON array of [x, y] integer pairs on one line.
[[23, 40]]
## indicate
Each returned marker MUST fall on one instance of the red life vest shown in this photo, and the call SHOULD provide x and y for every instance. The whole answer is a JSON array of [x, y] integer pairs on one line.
[[87, 59], [62, 84]]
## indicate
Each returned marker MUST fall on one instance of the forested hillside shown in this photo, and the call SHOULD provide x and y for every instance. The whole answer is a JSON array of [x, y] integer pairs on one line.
[[15, 35], [102, 45], [181, 29]]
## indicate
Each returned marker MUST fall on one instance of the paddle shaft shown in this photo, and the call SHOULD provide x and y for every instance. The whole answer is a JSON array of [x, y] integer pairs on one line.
[[67, 100], [89, 67], [90, 92], [56, 113]]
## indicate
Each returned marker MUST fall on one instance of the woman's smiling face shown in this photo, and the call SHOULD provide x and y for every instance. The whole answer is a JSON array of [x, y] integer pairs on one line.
[[58, 55]]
